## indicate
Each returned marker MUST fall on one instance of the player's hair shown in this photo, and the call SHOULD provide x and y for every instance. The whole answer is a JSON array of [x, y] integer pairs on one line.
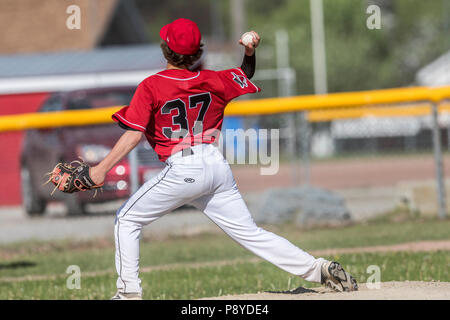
[[180, 60]]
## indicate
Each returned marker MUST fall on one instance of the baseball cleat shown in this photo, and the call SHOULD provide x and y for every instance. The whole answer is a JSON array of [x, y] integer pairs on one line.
[[126, 296], [336, 278]]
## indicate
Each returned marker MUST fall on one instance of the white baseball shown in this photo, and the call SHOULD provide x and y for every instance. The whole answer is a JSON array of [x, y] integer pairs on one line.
[[247, 38]]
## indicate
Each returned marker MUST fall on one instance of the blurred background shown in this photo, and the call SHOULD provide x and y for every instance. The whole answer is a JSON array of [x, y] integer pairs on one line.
[[361, 183], [334, 166]]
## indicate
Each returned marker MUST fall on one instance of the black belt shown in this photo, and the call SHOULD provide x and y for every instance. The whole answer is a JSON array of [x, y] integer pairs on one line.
[[187, 152]]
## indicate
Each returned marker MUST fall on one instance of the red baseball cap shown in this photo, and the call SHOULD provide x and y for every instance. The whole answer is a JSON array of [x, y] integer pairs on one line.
[[182, 36]]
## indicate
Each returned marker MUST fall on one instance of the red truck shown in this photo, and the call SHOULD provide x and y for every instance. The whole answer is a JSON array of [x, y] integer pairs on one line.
[[44, 148]]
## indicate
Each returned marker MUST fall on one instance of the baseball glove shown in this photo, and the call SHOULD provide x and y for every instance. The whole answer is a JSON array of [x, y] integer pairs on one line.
[[72, 177]]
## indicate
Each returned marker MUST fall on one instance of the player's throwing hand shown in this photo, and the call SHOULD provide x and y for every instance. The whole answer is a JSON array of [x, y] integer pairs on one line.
[[250, 40]]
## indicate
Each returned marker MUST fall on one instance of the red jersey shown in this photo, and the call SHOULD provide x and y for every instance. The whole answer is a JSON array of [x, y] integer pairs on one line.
[[179, 108]]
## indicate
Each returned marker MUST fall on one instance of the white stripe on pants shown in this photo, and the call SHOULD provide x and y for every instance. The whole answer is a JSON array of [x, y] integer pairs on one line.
[[214, 191]]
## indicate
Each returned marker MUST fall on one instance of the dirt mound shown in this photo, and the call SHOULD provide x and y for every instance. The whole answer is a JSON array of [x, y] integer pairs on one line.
[[407, 290]]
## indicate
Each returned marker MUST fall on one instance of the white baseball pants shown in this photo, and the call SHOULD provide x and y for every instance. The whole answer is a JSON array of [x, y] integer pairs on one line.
[[204, 180]]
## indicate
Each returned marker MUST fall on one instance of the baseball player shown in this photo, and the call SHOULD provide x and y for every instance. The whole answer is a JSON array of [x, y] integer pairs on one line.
[[180, 112]]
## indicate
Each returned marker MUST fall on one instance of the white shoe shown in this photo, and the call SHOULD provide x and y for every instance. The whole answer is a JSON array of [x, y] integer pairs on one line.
[[336, 278], [127, 296]]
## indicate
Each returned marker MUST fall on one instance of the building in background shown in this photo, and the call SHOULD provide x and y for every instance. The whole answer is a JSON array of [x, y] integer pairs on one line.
[[31, 26], [40, 55], [436, 73]]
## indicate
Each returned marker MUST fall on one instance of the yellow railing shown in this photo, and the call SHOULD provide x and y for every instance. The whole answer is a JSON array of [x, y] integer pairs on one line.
[[56, 119], [411, 110], [322, 108]]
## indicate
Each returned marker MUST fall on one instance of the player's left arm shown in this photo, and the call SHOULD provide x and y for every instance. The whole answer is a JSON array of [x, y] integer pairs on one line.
[[134, 119], [249, 62]]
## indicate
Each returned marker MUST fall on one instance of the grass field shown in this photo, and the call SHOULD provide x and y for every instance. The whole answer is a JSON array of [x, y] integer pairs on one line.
[[212, 264]]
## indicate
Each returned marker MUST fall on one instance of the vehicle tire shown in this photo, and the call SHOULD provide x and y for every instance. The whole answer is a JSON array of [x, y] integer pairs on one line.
[[74, 207], [32, 203]]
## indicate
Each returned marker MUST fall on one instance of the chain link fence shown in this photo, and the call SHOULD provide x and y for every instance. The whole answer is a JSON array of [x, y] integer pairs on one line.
[[379, 158]]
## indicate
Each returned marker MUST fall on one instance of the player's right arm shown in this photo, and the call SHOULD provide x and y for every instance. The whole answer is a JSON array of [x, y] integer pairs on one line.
[[249, 62], [236, 81]]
